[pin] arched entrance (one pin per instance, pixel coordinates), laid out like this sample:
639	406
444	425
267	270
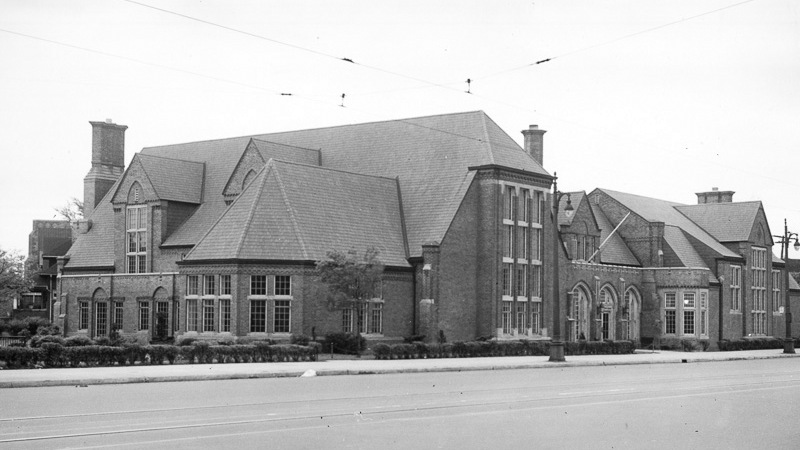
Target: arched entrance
634	305
607	312
578	313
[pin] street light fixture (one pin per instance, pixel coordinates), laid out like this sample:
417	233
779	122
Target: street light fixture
557	343
788	342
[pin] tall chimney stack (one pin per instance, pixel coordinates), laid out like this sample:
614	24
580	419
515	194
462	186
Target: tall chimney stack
534	138
108	162
714	196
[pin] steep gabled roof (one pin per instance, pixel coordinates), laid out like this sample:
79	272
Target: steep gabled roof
297	212
174	179
614	251
95	248
655	210
430	155
727	222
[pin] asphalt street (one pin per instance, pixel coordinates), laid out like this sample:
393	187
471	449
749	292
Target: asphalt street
727	404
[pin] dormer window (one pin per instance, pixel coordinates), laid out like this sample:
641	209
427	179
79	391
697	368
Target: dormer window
136	238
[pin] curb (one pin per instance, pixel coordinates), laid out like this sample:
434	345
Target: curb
372	371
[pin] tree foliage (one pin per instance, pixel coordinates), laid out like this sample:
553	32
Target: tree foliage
12	274
72	211
351	278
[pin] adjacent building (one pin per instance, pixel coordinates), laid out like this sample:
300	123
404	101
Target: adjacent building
222	237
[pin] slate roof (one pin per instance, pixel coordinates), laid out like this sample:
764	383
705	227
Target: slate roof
96	248
277	218
655	210
615	251
174	179
430	156
727	222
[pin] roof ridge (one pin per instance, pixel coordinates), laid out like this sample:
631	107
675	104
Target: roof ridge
485	141
290	210
331	169
284	145
147	155
265	170
253	136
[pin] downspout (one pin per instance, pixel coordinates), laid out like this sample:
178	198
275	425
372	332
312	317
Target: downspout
721	306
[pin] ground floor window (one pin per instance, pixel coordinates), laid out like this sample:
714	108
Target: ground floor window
224	315
347	320
687	317
506	317
536	320
191	315
376	322
208	314
83	315
116	320
282	316
144	315
258	316
522	317
101	318
366	318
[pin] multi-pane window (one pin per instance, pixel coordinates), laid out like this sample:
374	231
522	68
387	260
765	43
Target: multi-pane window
536	308
192	285
524	248
536	280
136	237
347	320
777	299
670	304
522	317
507	268
144	315
703	314
209	285
759	290
524	214
224	315
506	319
224	285
376	322
208	314
536	244
258	285
363	314
258	316
116	320
101	318
689	303
522	280
736	288
191	315
83	316
283	285
510	203
537	209
508	241
282	316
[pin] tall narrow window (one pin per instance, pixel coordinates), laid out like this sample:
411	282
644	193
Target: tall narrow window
536	244
536	308
376	322
510	203
506	317
508	241
209	285
191	315
522	317
347	320
522	280
507	287
777	298
283	285
224	315
759	290
524	248
83	316
144	315
282	316
670	304
208	314
101	318
689	304
258	316
193	285
224	285
525	200
536	281
116	321
704	314
136	237
736	288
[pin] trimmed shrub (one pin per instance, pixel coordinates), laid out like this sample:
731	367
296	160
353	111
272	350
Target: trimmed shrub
38	340
299	339
78	340
345	343
381	351
20	357
414	338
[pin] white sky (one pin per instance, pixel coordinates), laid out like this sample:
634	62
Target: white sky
639	96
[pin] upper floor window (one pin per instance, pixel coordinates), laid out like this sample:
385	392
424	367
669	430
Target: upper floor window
209	285
193	285
525	200
136	238
283	285
777	298
224	285
736	288
510	202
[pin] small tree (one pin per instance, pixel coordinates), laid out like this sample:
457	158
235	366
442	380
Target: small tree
351	279
13	281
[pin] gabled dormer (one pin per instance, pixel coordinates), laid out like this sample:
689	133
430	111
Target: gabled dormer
250	163
153	197
580	231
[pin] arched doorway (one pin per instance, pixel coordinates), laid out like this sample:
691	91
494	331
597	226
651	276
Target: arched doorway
607	311
634	305
578	313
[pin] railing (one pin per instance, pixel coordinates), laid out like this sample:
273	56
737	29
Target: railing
6	341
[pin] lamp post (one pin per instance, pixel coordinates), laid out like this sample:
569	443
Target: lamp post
788	342
557	343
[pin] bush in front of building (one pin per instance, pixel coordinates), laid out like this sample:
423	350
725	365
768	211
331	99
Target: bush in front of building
684	344
344	343
477	349
726	345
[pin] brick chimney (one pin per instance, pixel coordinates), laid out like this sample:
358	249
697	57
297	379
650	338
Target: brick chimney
534	138
108	162
714	196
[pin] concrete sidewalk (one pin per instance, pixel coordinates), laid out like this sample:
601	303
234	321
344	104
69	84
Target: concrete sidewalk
198	372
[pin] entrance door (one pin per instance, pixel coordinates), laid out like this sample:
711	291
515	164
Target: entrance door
162	320
605	324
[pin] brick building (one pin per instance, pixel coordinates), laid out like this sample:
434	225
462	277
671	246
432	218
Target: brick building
222	237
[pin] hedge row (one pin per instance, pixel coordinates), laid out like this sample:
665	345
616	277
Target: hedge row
51	354
753	344
684	344
475	349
